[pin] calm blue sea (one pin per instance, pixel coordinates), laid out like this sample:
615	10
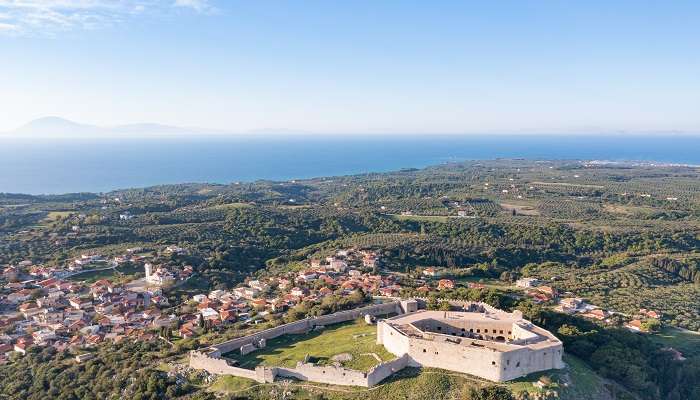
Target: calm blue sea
60	166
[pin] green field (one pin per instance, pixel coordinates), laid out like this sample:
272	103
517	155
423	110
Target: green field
687	342
55	215
111	273
354	337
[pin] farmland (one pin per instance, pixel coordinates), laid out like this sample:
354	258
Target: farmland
621	237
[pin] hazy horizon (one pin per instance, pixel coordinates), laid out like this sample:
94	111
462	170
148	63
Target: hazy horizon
361	67
61	128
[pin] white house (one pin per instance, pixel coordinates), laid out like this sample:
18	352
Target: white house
526	282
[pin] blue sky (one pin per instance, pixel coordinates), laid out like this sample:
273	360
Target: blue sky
355	66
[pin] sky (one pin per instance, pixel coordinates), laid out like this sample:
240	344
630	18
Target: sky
354	66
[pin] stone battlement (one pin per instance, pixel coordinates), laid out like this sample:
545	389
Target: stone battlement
210	359
481	341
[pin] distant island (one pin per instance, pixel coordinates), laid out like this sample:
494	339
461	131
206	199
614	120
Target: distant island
61	127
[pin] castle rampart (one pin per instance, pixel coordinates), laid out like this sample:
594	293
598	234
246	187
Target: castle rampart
496	346
481	341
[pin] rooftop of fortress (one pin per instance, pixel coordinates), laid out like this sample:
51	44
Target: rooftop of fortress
489	329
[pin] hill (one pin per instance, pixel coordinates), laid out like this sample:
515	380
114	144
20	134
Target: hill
50	127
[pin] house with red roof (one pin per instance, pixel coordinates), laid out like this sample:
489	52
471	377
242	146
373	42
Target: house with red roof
445	284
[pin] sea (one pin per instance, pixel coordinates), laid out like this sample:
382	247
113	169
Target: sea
54	166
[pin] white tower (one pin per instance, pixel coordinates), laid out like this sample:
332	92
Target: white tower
149	270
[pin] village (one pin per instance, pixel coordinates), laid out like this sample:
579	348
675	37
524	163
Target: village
42	307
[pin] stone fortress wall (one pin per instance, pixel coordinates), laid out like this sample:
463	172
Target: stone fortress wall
302	326
211	360
482	341
497	346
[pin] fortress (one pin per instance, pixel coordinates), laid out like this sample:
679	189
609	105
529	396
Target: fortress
478	340
482	341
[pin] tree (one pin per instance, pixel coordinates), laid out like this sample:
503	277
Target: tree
432	303
444	306
568	330
491	393
651	325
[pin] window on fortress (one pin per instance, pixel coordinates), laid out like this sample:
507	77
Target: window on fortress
462	329
493	363
439	328
478	331
507	362
518	364
436	353
501	331
424	350
471	330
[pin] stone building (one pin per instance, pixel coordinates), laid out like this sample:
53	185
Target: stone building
490	343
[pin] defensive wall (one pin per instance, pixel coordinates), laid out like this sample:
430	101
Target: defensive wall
210	359
303	326
498	347
303	371
481	341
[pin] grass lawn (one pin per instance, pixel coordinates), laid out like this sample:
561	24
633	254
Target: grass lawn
353	337
54	215
231	384
118	272
51	217
687	342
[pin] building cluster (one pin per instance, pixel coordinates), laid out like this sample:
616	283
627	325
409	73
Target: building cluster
637	324
64	314
575	305
41	307
536	291
163	275
339	275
